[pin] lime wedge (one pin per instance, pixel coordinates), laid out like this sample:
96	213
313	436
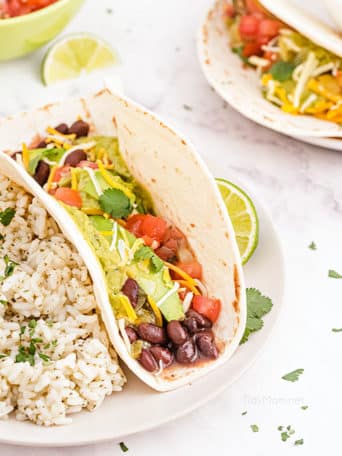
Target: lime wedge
74	54
243	216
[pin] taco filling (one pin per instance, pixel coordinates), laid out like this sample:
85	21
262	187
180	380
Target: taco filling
295	74
153	279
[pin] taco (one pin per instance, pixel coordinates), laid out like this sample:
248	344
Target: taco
296	72
296	85
147	219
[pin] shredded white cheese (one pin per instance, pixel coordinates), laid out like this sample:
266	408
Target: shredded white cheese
187	301
308	101
168	294
258	61
114	237
323	69
91	174
308	67
291	45
161	367
121	324
202	287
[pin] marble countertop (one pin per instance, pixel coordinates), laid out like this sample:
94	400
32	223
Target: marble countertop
300	184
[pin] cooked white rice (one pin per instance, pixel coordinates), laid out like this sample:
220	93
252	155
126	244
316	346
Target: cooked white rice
50	289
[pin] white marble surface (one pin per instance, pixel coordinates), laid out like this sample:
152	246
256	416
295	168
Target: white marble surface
300	184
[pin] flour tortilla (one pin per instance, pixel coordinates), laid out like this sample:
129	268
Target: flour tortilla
183	192
240	87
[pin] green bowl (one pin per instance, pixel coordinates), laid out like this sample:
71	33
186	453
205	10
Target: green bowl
23	34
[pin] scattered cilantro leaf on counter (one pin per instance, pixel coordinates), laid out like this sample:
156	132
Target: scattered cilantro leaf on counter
282	71
115	202
284	436
145	253
109	11
336	330
304	407
255	427
244	413
280	428
123	447
258	305
334	275
6	216
293	376
187	107
312	246
299	442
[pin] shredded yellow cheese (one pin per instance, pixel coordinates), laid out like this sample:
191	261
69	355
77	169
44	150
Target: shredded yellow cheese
266	78
318	88
112	182
26	157
181	273
92	211
130	312
156	311
73	179
51	177
185	283
106	233
54	132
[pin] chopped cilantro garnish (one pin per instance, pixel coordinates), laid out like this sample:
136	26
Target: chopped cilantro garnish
2	237
312	246
3	302
25	354
257	306
334	275
282	71
280	428
299	442
22	330
293	376
37	340
336	330
9	267
244	413
54	343
123	447
6	216
32	324
304	407
44	357
255	428
2	355
116	203
145	253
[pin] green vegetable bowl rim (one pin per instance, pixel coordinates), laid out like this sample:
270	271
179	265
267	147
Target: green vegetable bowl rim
35	14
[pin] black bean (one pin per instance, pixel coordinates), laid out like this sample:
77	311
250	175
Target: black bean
62	128
207	345
162	354
147	360
131	290
152	333
42	173
131	334
42	144
79	128
186	353
176	332
75	157
202	321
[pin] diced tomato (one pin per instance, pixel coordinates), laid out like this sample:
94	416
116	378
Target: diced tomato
69	196
209	307
248	27
87	164
268	29
193	269
147	225
182	294
60	173
251	48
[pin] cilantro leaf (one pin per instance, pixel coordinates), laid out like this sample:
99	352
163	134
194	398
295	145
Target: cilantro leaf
123	447
299	442
3	302
44	357
115	202
6	216
145	253
312	246
2	356
258	305
282	71
304	407
255	427
244	413
336	330
334	275
239	51
9	268
284	436
293	376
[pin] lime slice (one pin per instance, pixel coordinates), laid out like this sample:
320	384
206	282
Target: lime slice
74	54
243	216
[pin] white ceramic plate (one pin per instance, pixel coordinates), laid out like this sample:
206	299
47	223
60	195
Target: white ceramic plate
129	412
240	87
